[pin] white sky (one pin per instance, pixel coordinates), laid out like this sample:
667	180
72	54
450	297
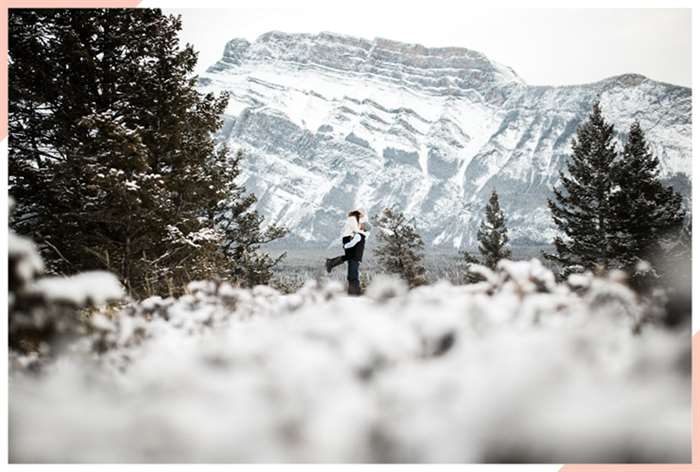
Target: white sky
544	46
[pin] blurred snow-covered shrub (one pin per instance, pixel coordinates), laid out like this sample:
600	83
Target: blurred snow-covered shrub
44	310
386	287
516	368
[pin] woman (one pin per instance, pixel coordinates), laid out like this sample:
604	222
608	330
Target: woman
353	239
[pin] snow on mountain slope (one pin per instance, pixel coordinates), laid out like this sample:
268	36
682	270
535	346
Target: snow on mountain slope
331	122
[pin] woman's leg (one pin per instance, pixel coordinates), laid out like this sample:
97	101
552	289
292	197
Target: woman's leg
335	261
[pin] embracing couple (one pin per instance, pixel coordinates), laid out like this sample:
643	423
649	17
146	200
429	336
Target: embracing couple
355	233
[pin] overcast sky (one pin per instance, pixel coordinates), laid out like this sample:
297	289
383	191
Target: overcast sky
544	46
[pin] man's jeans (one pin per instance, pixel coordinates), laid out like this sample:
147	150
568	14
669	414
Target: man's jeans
353	270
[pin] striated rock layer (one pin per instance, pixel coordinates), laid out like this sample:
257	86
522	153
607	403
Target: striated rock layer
331	122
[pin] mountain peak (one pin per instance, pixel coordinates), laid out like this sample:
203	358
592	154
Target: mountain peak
436	68
333	122
626	80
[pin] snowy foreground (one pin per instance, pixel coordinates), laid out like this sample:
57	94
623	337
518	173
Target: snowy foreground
516	369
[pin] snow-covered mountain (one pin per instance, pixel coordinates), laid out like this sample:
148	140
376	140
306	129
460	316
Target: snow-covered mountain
332	122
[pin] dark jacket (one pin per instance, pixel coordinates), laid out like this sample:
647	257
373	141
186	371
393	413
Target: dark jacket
354	253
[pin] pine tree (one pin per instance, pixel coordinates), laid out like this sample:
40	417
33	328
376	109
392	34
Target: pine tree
493	234
469	276
581	209
400	247
112	161
646	211
243	234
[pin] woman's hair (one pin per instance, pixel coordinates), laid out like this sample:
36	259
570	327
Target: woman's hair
356	214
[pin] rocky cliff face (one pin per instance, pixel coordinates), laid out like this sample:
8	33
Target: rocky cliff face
332	122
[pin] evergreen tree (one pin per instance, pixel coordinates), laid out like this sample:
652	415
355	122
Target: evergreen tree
581	209
400	247
646	211
243	234
493	234
112	160
469	276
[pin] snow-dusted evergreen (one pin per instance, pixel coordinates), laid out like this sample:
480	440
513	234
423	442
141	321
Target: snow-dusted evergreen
470	262
582	207
612	210
399	247
429	131
243	232
647	213
112	161
493	234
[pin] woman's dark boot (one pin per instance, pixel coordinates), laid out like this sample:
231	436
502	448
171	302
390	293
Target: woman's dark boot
330	263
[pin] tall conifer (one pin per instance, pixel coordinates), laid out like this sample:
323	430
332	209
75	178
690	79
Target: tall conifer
400	247
646	211
112	158
581	207
493	234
